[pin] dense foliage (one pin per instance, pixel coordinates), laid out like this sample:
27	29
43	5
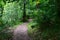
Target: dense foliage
11	13
48	21
45	15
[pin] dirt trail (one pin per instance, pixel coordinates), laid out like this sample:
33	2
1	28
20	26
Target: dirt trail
20	33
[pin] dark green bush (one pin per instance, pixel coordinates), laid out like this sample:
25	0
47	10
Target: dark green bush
48	21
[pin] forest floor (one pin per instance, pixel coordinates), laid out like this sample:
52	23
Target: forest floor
21	32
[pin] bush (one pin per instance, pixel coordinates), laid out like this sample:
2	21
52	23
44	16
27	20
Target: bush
11	13
47	20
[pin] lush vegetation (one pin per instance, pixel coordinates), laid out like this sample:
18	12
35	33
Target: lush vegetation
45	15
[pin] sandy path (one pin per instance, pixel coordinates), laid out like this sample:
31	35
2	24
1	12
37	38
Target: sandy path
20	33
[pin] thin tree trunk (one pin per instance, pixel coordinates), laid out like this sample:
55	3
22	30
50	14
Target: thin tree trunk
24	11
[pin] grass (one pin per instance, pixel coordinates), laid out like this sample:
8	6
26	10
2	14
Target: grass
30	29
15	26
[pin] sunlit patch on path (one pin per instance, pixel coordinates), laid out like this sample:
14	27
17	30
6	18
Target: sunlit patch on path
20	33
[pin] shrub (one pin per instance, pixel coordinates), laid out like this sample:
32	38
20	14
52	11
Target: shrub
48	21
11	13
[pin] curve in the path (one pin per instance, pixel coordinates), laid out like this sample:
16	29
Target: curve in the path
20	33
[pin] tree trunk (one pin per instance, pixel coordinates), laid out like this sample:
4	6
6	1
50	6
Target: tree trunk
24	11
